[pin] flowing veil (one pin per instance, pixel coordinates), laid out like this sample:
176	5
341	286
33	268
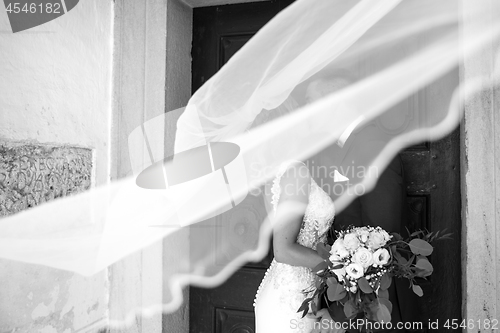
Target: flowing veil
401	57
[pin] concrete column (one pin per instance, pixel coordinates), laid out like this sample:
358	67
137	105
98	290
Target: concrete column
480	149
178	92
139	95
152	75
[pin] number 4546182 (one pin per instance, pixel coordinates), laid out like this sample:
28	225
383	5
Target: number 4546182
33	8
453	324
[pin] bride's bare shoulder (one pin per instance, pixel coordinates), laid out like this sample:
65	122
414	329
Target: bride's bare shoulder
295	181
294	169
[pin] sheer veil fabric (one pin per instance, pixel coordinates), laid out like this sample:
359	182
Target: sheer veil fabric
399	59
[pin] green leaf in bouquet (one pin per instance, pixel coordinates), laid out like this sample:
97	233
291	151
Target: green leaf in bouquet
437	236
350	310
332	281
370	309
323	250
335	291
417	233
419	246
314	305
383	294
376	285
383	314
446	236
432	236
424	267
304	307
358	298
364	285
336	311
399	258
396	236
417	290
407	231
386	302
319	267
337	266
385	281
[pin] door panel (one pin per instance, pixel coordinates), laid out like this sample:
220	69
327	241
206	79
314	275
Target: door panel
218	33
432	176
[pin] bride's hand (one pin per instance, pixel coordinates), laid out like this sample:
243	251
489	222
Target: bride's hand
327	324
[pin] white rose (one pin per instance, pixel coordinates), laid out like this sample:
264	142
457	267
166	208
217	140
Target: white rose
354	270
339	249
334	258
363	234
386	235
363	257
351	242
376	240
381	257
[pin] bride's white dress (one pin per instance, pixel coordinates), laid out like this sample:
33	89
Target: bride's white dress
280	293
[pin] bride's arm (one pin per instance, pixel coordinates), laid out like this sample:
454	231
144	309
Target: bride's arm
295	186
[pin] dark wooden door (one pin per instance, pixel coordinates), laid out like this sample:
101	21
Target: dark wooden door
218	33
433	186
432	171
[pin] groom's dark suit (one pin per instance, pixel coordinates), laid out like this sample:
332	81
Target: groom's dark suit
384	206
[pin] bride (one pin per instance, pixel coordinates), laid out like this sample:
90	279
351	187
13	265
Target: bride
303	214
296	232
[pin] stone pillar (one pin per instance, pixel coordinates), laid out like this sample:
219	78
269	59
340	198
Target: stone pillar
152	75
480	150
138	95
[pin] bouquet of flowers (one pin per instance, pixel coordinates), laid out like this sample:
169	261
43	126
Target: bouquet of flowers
359	267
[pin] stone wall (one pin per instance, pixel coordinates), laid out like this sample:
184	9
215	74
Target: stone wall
33	174
55	120
480	150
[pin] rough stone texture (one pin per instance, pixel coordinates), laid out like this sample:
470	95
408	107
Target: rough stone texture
32	174
481	175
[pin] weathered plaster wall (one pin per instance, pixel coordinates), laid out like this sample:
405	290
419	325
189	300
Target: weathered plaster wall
56	78
481	176
55	89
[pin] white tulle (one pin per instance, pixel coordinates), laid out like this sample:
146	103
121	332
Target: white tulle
403	56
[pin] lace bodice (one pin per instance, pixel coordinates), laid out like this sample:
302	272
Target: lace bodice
318	216
289	280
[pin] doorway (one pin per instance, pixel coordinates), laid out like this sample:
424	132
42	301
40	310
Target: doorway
432	172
